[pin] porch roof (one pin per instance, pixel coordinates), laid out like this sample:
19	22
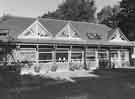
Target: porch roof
83	42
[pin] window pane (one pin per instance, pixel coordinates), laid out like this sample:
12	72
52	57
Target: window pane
114	54
102	55
27	46
61	57
45	61
45	56
45	46
76	56
45	50
27	56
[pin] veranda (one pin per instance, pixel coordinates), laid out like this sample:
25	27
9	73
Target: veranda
74	57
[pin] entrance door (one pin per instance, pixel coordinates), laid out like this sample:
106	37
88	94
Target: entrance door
91	59
103	57
115	59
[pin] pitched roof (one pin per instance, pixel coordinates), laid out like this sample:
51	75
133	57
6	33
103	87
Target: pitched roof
16	25
114	31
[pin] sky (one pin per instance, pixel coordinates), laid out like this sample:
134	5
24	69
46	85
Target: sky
35	8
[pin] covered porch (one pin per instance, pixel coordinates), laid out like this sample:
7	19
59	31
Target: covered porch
65	57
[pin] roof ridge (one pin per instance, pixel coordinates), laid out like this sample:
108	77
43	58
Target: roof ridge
74	21
22	17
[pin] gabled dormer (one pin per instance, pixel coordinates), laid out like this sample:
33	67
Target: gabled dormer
35	31
68	32
118	36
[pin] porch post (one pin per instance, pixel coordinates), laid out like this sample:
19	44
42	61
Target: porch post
69	56
82	56
85	65
17	55
130	56
37	55
109	53
97	59
119	58
54	54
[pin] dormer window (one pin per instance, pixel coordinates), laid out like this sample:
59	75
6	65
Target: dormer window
93	36
36	31
68	32
4	32
118	36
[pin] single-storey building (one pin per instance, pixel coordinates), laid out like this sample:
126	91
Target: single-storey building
63	45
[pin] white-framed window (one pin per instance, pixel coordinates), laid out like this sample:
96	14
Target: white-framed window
124	54
103	54
77	55
35	31
27	52
62	54
45	55
91	54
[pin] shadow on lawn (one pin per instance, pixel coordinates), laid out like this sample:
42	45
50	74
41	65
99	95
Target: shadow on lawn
111	84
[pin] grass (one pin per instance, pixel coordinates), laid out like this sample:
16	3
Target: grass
100	84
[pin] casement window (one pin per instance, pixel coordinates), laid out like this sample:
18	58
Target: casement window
114	54
91	54
62	54
45	55
27	46
27	53
124	54
76	55
103	54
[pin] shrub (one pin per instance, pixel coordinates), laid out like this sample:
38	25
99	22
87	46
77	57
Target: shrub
54	68
75	66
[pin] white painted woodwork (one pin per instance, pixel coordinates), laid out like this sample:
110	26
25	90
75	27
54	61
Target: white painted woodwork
118	36
68	33
35	31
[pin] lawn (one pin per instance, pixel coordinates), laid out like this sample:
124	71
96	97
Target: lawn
98	84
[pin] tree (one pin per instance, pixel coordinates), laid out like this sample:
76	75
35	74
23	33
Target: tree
77	10
108	16
124	18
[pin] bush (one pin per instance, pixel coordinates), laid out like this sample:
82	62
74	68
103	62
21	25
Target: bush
75	66
37	69
54	68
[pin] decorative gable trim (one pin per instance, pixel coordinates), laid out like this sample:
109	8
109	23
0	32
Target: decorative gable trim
35	31
118	36
68	32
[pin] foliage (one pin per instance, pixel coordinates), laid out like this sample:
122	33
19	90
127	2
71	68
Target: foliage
77	10
125	18
75	66
108	16
54	68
